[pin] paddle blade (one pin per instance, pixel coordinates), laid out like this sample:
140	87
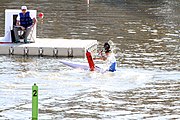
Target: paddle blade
90	61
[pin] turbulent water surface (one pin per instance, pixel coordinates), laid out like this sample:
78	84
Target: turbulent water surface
144	34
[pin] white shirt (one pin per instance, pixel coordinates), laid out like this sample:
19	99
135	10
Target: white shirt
110	60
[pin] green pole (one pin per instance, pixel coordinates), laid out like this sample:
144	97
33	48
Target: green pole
34	102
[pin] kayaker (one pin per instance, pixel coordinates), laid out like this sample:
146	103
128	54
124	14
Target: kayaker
109	57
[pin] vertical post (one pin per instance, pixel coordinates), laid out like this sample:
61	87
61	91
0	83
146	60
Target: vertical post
34	102
88	2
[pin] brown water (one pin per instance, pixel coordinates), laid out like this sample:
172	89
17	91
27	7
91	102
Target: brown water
146	37
145	32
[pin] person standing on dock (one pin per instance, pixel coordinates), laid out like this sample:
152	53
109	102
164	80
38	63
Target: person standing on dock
109	58
24	22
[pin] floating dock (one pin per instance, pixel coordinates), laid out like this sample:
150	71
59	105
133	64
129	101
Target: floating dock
41	46
50	47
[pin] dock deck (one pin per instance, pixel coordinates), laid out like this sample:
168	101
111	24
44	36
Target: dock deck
50	47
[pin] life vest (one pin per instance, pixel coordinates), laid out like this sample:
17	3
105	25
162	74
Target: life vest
25	19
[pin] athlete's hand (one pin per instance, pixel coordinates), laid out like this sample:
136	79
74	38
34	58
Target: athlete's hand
23	28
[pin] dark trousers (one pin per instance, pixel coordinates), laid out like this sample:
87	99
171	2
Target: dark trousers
25	34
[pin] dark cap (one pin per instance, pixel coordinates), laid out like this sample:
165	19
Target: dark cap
106	46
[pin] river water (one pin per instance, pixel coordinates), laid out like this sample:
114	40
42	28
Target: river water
144	34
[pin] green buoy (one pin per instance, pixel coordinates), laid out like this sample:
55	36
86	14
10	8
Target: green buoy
34	102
